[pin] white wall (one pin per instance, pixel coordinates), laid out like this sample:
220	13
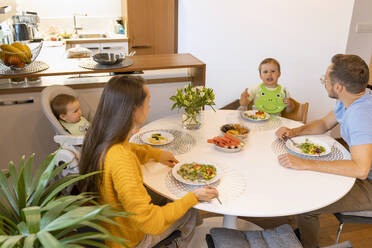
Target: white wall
361	43
233	37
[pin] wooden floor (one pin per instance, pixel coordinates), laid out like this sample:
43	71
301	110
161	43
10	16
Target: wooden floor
359	234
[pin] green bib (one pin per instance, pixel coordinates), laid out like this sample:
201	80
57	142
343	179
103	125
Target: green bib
270	101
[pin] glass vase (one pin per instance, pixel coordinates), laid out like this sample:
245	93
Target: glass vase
191	119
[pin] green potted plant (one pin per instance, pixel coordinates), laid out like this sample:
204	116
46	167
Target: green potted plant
34	214
192	100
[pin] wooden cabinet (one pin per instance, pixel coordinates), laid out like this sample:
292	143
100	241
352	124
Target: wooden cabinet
151	25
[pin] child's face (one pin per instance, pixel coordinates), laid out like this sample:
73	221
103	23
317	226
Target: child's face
73	112
270	75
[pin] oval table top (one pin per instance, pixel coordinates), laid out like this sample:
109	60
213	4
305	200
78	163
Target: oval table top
253	184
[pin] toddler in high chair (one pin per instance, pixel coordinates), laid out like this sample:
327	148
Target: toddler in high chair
67	110
268	96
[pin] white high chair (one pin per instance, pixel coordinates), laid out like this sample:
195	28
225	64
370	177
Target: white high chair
70	145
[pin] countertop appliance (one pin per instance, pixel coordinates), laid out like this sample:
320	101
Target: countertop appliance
26	26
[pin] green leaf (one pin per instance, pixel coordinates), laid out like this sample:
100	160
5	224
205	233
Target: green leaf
13	175
3	238
74	217
10	224
21	189
28	173
59	169
29	241
64	185
41	168
11	241
48	240
8	197
32	217
56	211
42	182
23	229
83	236
56	184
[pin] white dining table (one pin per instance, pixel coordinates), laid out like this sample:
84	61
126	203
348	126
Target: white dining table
252	184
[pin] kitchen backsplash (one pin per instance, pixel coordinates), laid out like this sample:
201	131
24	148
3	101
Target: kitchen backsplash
89	24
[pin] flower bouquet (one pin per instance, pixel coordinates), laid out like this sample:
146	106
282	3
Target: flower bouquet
192	100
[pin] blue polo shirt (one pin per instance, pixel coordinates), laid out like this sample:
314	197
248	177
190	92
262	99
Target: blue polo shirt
356	121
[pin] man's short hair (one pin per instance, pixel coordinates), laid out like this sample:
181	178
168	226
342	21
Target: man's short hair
269	61
351	71
59	104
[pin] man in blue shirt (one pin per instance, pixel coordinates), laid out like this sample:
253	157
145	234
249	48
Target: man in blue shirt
346	79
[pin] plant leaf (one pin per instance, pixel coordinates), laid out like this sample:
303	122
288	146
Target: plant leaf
42	182
95	244
21	189
74	217
64	185
48	240
82	236
11	241
13	175
23	229
8	197
29	241
41	168
28	173
56	184
32	217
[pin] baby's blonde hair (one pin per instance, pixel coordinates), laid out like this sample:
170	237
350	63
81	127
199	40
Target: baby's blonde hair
269	61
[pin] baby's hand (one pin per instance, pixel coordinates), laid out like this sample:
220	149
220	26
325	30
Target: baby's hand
288	102
244	98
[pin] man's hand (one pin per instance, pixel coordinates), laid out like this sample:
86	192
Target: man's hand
244	98
167	159
284	132
290	161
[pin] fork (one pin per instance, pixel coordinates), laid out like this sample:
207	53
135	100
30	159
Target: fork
218	199
292	141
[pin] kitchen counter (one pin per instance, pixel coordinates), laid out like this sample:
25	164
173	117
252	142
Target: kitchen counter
61	66
121	38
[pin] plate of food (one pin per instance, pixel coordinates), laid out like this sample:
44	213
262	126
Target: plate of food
196	172
255	115
157	138
226	143
308	146
236	130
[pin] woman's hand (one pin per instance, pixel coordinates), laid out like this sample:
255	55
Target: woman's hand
168	159
206	193
284	132
244	98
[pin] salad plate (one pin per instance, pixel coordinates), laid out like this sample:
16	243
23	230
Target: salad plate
157	138
196	172
308	146
255	115
237	130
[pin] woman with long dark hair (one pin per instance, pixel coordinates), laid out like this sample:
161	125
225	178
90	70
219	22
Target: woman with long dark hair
124	104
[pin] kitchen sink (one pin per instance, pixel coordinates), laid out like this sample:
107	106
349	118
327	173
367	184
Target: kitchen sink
87	36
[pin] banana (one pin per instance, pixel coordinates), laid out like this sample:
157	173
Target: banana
23	48
12	49
28	50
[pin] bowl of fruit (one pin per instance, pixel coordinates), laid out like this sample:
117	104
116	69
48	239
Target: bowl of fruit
17	56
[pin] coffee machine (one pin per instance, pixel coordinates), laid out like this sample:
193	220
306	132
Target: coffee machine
25	26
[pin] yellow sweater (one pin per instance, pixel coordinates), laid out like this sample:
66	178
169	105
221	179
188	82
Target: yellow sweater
123	183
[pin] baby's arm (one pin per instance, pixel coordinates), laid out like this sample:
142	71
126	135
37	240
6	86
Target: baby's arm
288	102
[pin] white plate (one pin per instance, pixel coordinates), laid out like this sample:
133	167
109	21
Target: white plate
229	150
253	112
146	137
312	139
180	178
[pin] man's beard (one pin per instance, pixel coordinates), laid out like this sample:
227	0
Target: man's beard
332	94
